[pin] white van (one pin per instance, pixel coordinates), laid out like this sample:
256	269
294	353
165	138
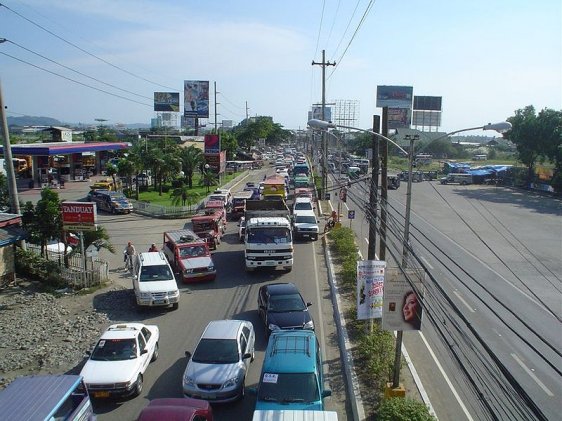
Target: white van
154	282
294	415
457	178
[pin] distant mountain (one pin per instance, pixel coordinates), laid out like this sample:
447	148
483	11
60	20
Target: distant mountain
33	121
48	121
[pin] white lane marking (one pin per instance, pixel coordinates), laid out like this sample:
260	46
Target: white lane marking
453	390
463	301
532	375
417	380
427	263
367	240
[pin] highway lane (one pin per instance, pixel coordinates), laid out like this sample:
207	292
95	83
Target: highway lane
232	295
496	216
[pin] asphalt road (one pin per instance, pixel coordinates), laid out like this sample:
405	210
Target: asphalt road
495	256
232	295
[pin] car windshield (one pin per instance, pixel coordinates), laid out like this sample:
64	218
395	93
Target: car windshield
115	350
286	303
305	220
267	235
303	206
194	251
216	351
202	226
155	273
289	387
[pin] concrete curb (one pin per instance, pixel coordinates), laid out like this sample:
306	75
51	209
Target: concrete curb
351	380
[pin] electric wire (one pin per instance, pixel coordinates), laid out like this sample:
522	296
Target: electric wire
320	28
78	72
85	51
76	81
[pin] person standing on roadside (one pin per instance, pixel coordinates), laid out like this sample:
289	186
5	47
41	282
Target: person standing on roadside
129	252
153	248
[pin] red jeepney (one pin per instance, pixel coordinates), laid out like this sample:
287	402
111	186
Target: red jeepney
214	206
239	202
209	227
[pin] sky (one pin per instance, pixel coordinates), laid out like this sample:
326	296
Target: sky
486	59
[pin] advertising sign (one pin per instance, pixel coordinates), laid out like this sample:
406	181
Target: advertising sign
79	216
427	118
402	302
370	283
427	103
399	118
212	144
394	96
167	101
217	162
196	98
317	113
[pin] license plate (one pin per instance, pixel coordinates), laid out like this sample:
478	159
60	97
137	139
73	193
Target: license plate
271	264
160	301
101	394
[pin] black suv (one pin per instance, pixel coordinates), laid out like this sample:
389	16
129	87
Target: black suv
281	306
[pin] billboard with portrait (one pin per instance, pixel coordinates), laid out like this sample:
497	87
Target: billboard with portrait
212	144
167	101
196	98
370	282
402	300
317	113
394	96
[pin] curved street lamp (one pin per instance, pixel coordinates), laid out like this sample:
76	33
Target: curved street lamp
325	125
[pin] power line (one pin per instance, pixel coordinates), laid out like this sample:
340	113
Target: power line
76	81
85	51
78	72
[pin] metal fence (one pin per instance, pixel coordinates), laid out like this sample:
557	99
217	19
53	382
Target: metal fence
165	212
96	272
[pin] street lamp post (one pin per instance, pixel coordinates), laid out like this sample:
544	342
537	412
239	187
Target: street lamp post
324	125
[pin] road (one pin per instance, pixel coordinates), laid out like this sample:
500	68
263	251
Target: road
232	295
494	296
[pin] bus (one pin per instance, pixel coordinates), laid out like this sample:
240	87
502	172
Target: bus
54	397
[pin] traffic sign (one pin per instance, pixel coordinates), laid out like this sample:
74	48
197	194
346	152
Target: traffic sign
350	214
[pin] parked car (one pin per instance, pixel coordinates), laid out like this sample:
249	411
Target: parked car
184	409
117	364
217	369
281	306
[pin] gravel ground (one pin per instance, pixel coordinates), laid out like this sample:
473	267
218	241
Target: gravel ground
44	334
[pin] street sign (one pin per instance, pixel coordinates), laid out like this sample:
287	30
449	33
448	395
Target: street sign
350	214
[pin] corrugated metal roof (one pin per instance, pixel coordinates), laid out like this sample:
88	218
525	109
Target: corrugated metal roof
11	235
33	398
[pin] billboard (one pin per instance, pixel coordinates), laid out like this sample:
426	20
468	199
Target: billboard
427	103
370	282
167	101
402	308
216	161
394	96
399	118
196	98
317	113
427	118
79	216
212	144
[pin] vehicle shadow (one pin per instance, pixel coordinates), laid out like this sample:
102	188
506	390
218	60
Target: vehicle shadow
120	306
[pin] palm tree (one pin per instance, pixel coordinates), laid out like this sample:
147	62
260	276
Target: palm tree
182	194
126	168
208	178
191	158
111	171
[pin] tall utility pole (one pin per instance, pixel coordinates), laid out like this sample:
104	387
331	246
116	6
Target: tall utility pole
11	175
324	63
216	103
374	190
384	183
247	110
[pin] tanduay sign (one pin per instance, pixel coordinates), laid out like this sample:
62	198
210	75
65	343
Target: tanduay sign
79	216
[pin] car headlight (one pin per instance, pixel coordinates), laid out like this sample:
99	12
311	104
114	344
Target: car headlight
174	293
273	327
125	385
230	382
309	325
145	295
211	268
188	381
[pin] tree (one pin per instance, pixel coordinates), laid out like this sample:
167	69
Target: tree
48	212
208	178
530	138
182	194
4	193
126	168
229	143
191	159
111	171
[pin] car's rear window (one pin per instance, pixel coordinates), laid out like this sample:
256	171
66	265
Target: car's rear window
288	388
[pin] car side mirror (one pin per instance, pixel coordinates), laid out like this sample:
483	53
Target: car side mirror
326	393
144	351
88	352
188	354
308	304
246	356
